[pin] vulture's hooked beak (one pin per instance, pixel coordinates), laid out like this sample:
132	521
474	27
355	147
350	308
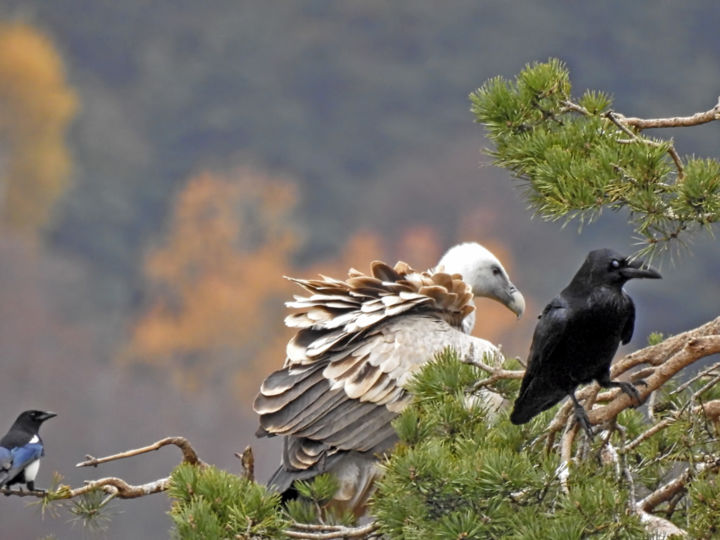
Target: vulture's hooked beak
511	298
517	302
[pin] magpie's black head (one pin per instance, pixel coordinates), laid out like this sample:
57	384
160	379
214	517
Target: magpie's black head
608	267
31	420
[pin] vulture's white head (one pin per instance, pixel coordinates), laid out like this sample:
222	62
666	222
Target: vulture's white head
483	272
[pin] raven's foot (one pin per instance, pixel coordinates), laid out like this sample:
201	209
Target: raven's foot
627	388
584	422
581	417
631	391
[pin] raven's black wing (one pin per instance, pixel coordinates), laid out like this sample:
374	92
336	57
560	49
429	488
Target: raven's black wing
535	395
627	331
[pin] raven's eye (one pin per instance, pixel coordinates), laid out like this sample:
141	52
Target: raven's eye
615	263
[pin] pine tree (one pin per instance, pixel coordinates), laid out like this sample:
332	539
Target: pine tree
577	157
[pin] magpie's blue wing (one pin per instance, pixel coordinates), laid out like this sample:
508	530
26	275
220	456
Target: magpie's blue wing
18	459
6	460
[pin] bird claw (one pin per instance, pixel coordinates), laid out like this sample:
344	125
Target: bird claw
631	391
583	421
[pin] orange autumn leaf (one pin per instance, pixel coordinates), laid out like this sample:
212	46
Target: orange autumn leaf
36	107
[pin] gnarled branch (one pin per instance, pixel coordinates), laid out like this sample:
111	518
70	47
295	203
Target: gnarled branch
675	121
329	532
189	454
113	486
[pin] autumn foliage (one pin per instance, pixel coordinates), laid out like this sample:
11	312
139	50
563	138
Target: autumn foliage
217	286
215	309
36	107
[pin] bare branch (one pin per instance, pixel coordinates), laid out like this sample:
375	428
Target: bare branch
189	454
120	488
697	377
676	121
662	424
116	487
495	375
674	486
24	492
575	107
247	461
660	528
711	410
656	355
693	350
329	532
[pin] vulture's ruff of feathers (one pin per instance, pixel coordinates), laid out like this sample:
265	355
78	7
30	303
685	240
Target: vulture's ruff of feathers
358	342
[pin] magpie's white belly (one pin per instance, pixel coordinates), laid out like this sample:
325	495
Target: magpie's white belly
31	471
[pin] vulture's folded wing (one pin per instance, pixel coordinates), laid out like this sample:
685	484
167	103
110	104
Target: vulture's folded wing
348	400
357	345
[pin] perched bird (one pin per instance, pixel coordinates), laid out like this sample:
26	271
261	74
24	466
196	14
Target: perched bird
577	336
358	343
21	449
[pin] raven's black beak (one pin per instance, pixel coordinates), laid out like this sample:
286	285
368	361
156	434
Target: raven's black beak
47	416
638	269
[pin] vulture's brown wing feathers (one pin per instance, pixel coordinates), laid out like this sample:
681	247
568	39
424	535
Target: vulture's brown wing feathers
358	342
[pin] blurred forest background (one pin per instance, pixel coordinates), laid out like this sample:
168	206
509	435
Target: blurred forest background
164	164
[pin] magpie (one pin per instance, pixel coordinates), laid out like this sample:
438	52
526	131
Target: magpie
577	336
21	449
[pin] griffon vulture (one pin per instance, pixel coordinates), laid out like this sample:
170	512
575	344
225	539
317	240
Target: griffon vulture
358	343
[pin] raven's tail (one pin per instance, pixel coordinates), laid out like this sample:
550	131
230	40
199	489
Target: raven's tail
534	400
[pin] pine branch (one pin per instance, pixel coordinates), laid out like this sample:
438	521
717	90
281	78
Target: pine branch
247	461
660	528
711	410
621	122
578	156
656	355
496	374
113	486
329	532
679	483
189	454
676	121
694	349
116	487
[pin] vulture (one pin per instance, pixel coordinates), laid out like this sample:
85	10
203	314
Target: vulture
358	343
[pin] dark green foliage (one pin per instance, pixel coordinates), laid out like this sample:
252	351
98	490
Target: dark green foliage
576	159
704	513
312	504
210	503
454	475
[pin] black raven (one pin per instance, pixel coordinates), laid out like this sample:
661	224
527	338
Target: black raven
578	334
